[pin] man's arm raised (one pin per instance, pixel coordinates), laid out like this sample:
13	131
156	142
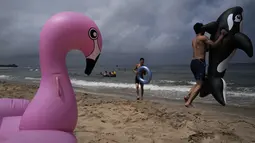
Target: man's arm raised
210	42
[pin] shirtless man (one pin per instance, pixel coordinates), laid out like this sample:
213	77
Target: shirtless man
198	65
137	82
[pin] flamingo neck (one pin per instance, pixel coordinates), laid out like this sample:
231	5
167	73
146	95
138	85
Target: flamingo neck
52	62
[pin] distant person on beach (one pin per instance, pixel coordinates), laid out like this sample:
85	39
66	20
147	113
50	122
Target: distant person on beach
137	82
198	64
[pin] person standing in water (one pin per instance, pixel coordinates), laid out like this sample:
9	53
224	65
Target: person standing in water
137	82
198	64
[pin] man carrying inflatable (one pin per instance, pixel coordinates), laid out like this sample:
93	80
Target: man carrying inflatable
137	82
198	64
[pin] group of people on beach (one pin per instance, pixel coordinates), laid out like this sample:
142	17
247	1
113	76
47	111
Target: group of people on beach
200	45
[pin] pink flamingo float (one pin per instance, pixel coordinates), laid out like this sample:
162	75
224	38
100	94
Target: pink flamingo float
51	116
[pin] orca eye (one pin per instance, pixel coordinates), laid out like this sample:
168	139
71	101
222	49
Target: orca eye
238	18
93	34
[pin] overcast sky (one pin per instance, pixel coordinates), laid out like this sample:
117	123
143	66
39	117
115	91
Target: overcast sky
158	30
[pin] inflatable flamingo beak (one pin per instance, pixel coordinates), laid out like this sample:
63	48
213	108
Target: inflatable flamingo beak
90	65
94	55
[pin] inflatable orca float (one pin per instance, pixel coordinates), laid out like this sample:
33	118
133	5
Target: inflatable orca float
230	20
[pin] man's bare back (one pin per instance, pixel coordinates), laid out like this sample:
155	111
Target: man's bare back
198	48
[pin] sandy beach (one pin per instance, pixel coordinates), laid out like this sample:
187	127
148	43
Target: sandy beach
114	119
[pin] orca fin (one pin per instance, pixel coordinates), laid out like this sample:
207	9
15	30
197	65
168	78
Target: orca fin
244	43
218	89
211	27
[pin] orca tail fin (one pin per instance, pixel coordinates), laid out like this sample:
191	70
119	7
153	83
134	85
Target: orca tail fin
218	88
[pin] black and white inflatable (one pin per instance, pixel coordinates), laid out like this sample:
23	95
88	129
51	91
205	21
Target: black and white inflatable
230	20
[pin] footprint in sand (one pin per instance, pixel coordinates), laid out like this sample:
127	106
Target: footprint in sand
220	137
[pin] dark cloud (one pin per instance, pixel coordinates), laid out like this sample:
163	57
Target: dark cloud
159	30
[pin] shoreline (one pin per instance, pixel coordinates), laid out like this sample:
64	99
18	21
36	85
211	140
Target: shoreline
118	118
129	96
241	96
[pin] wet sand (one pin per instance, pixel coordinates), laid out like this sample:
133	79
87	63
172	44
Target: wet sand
111	118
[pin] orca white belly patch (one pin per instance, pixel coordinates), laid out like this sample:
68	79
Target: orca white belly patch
224	64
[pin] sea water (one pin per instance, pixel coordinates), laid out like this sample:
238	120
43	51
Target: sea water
169	81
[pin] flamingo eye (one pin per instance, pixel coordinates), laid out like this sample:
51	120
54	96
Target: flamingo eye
93	34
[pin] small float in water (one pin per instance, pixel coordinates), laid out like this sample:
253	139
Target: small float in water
108	74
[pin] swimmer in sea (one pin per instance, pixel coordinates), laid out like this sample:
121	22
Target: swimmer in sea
198	64
137	82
